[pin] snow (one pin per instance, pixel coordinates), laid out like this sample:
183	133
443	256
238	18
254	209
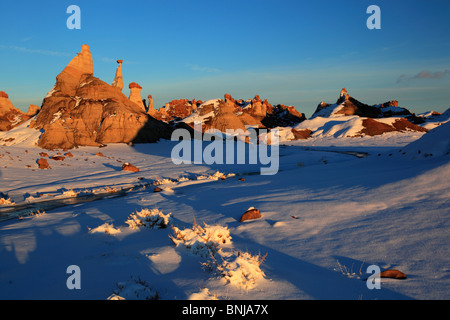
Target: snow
435	143
325	217
196	117
21	135
338	127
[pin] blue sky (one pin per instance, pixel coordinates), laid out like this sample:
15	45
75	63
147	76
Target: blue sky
290	52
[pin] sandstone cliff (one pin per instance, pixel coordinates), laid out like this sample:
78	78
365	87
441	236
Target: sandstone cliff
82	110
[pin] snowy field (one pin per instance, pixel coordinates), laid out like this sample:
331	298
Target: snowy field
325	217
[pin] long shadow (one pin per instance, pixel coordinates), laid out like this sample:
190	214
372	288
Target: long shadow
316	282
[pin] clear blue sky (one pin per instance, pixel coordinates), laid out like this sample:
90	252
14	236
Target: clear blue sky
291	52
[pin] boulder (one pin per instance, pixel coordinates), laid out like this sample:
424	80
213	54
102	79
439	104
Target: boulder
43	164
301	134
393	274
250	214
129	167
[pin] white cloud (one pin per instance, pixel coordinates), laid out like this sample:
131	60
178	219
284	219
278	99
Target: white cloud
38	51
196	67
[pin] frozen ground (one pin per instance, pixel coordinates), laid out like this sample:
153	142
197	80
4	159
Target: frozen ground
326	216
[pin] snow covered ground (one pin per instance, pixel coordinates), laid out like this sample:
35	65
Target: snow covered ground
325	217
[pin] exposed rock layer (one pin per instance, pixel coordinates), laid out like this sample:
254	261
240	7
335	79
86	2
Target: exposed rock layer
82	110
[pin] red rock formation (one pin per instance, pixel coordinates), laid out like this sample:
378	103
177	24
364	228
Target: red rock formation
33	110
82	110
225	118
373	127
10	116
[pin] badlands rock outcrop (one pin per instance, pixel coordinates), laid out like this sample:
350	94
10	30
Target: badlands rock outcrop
82	110
230	113
351	118
348	106
10	116
225	118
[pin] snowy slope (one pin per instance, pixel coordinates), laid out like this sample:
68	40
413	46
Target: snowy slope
325	217
433	144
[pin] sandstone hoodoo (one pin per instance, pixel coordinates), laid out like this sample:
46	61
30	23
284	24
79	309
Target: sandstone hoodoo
118	79
82	110
135	95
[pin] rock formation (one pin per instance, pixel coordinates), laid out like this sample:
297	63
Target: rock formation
33	110
225	118
348	106
231	113
82	110
135	95
371	127
10	116
150	109
118	79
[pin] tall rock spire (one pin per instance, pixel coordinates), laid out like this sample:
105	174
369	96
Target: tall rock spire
118	79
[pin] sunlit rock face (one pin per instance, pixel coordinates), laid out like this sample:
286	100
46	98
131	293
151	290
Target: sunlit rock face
82	110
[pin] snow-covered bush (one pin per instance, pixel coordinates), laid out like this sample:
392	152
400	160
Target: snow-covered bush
134	289
204	294
70	193
105	228
203	241
240	269
6	201
216	176
153	218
